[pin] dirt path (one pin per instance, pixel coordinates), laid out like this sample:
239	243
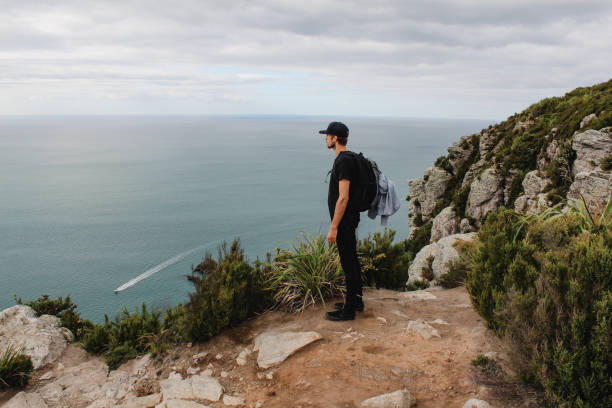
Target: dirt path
372	355
355	360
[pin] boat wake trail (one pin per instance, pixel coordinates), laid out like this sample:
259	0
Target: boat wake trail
160	267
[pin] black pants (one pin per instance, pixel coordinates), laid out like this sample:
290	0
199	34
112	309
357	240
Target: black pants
347	248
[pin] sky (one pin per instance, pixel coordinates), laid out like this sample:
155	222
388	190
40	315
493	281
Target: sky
435	58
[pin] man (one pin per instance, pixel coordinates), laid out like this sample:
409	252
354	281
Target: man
344	219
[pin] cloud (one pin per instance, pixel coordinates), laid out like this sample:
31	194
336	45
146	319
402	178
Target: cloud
237	54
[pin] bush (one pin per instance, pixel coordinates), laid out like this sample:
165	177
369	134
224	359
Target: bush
307	272
545	282
501	261
227	291
127	336
606	162
383	263
15	368
417	285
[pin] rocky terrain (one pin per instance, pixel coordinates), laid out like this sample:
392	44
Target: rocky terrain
406	348
549	153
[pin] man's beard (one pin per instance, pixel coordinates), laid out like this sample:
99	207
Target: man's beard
333	145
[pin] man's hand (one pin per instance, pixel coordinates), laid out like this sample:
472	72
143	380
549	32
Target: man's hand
332	234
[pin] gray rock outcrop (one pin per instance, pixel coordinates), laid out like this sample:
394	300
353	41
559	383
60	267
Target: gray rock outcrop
444	224
591	147
486	194
425	192
437	256
422	328
41	338
26	400
534	200
275	347
397	399
476	403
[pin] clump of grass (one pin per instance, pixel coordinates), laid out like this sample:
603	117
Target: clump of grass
417	285
15	368
307	272
606	163
482	361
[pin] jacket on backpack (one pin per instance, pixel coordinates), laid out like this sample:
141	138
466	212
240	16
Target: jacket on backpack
388	201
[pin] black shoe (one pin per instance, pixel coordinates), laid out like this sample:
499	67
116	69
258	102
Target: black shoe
340	315
358	307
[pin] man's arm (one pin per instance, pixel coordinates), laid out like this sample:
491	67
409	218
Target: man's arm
343	197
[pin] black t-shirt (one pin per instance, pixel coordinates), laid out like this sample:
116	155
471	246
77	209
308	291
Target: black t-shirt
344	167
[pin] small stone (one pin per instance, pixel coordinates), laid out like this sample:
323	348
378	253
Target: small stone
224	374
219	356
210	366
259	404
207	372
439	321
143	402
200	356
270	376
275	347
476	403
193	370
382	320
60	366
397	399
47	376
347	336
490	354
207	388
422	328
233	400
242	357
175	376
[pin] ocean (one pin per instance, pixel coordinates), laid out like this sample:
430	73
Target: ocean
89	203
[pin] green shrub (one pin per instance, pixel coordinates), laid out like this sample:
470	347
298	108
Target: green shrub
502	261
420	238
383	263
417	285
15	368
227	291
123	338
307	272
545	282
444	163
482	361
562	327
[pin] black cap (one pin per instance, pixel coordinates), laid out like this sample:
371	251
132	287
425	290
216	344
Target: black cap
337	129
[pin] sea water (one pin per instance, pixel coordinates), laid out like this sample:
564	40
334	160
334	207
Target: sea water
89	203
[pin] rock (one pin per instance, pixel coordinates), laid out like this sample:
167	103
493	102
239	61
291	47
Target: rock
595	187
208	372
422	260
224	374
523	125
207	388
259	404
275	347
587	119
175	376
67	334
460	152
465	226
447	252
41	338
425	193
219	356
85	383
485	195
418	295
176	389
532	205
438	256
397	399
47	376
476	403
439	321
232	400
422	328
198	357
533	184
382	320
242	357
591	147
147	401
193	370
444	224
26	400
184	404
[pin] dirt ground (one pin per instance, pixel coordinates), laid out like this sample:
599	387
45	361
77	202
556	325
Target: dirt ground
372	355
355	360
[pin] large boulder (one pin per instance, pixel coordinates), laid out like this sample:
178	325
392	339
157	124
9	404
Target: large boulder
486	194
594	186
425	193
41	338
459	153
444	224
591	147
437	256
534	200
